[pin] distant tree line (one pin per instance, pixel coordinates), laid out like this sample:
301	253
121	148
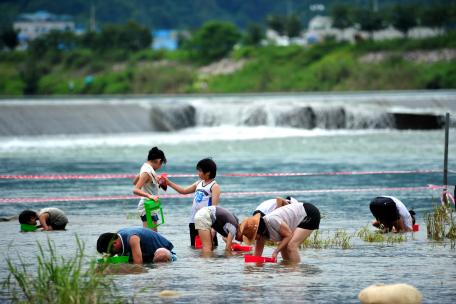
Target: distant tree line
215	39
401	17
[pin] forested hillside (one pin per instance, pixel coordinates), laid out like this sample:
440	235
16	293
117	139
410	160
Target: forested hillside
181	13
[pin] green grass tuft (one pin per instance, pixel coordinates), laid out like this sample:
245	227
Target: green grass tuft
58	279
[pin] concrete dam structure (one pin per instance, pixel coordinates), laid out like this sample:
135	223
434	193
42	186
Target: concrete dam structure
105	115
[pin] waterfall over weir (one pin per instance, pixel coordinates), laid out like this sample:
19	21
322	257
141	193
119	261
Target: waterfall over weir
399	110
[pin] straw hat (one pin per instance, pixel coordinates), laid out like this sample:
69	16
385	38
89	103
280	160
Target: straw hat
249	228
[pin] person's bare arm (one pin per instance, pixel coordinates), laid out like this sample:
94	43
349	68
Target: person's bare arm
43	218
135	245
229	241
286	234
399	226
259	246
180	189
136	179
215	194
143	179
280	202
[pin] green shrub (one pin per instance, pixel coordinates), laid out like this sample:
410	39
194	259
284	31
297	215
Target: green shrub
168	78
78	58
13	57
148	54
10	80
441	75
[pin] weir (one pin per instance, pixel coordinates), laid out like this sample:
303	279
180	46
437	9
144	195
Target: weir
24	117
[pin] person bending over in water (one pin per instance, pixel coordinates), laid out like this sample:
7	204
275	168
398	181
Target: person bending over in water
270	205
49	218
142	245
391	214
211	218
289	225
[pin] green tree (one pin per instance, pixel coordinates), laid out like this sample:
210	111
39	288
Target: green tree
435	16
9	38
293	26
254	35
342	16
136	37
213	41
129	37
54	41
277	23
369	20
30	74
403	18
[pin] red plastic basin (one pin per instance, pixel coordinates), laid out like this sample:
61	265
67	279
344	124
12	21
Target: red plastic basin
198	244
239	247
258	259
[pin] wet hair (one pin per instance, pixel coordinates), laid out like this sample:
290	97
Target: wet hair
104	241
26	216
156	153
258	211
207	165
262	229
412	214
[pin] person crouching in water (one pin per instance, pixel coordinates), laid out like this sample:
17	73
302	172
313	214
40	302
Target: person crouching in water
222	221
142	245
50	218
289	225
391	215
270	205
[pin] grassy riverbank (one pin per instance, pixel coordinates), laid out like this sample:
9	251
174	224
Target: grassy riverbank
387	65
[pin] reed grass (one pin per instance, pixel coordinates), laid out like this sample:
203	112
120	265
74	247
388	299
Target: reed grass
379	237
441	225
57	279
344	240
340	239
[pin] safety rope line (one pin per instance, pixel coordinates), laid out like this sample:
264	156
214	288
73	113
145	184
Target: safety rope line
280	174
225	194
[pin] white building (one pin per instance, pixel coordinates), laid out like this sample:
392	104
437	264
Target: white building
320	23
31	26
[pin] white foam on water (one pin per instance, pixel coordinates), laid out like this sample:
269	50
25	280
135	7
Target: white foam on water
191	135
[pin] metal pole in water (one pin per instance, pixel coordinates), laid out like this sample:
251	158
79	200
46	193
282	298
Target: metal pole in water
445	161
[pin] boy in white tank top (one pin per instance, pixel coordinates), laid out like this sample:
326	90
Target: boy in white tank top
207	193
146	183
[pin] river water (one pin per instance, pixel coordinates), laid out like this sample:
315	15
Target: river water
331	275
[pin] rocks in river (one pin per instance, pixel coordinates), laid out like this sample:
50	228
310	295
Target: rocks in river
169	294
